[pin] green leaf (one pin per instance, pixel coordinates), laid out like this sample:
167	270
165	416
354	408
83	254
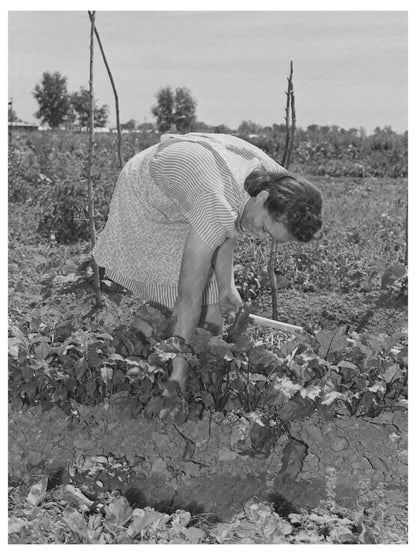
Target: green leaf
142	518
347	364
218	347
296	409
194	535
91	387
263	360
292	460
75	521
261	438
311	392
80	367
42	350
93	358
38	491
365	403
284	389
18	342
331	341
118	513
27	374
153	407
330	397
392	373
17	524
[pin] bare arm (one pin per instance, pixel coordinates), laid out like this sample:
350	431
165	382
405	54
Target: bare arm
223	264
229	298
196	264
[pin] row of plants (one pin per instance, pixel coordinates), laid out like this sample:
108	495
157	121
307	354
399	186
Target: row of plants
53	367
41	519
320	152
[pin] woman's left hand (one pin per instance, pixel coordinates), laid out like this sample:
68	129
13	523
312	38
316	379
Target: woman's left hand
230	303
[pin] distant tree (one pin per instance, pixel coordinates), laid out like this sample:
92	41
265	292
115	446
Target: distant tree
131	125
71	117
201	127
176	108
383	138
163	110
249	128
80	103
53	99
146	127
101	116
312	128
185	108
222	129
279	129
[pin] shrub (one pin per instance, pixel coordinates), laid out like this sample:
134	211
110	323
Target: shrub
62	211
22	175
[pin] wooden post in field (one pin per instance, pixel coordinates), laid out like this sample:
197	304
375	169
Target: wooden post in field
293	118
290	115
91	214
10	122
120	153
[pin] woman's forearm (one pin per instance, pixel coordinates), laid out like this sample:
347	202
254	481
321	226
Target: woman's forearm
223	264
187	312
196	264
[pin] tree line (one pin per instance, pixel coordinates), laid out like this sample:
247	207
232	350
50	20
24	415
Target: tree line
175	110
58	107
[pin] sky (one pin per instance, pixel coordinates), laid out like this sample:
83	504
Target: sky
350	67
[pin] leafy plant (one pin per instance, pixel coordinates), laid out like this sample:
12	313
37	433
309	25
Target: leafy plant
62	211
300	376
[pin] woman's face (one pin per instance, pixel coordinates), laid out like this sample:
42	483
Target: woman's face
262	225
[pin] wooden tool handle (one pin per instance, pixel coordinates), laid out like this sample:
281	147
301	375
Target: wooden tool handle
275	324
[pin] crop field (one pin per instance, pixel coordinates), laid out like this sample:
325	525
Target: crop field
279	438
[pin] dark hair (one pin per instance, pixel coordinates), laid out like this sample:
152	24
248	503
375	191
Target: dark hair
292	201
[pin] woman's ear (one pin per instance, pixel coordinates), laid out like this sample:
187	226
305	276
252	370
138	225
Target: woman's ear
262	196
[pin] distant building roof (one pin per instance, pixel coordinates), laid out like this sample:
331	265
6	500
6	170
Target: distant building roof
22	124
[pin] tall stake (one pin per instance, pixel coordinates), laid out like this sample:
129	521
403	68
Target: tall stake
270	269
290	115
120	154
91	214
11	119
293	116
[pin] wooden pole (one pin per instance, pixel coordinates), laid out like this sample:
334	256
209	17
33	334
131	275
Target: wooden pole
290	115
91	214
407	231
272	277
11	119
293	116
119	148
287	135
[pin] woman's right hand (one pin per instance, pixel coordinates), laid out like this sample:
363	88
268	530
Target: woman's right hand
230	303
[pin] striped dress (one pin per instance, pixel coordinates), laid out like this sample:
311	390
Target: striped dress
192	180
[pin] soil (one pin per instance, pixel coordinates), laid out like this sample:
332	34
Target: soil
361	456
